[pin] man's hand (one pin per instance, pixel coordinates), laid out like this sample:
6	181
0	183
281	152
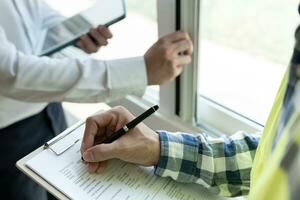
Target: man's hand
95	39
165	59
140	145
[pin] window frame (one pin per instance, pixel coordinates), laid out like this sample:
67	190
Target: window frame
214	118
166	117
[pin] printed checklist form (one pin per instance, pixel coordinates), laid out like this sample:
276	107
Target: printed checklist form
64	170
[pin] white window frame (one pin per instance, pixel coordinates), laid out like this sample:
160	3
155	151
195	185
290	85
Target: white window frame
214	118
165	117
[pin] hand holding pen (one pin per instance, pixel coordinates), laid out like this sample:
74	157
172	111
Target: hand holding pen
117	134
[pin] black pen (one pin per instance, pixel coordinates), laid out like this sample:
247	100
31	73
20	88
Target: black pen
122	131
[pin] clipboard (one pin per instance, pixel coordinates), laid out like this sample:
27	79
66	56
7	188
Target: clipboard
21	164
55	191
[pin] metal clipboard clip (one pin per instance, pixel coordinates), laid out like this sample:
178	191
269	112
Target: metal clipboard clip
66	139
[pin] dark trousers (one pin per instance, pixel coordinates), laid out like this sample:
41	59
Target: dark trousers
20	139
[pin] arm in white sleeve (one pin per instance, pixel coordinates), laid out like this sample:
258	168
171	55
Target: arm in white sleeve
42	79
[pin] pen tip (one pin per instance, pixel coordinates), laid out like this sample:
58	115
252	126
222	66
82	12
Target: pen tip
156	107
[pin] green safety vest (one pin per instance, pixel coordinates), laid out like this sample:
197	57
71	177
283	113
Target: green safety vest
276	175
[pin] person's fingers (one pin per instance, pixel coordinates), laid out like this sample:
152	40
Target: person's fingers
183	46
179	62
98	37
122	116
178	70
183	60
97	167
90	132
88	45
102	167
93	167
101	152
79	44
96	126
105	32
175	36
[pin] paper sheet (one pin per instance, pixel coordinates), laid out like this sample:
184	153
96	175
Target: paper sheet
119	181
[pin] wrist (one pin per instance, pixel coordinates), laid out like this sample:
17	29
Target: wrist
149	72
156	149
153	146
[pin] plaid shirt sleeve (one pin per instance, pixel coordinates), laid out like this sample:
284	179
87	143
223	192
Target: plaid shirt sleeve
221	165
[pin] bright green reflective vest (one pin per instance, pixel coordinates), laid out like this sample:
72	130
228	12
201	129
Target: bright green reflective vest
276	175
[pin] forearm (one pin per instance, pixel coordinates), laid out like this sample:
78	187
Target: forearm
222	165
43	79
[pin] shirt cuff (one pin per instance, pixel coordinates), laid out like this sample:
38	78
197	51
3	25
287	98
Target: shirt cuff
128	76
178	158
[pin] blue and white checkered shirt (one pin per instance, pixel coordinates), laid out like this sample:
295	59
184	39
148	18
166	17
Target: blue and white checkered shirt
222	165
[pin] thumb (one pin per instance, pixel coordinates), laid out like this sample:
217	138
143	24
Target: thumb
100	153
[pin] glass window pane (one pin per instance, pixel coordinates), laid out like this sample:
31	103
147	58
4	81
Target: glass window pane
134	35
245	47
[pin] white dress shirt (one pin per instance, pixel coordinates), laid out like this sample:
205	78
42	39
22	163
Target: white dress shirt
28	82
